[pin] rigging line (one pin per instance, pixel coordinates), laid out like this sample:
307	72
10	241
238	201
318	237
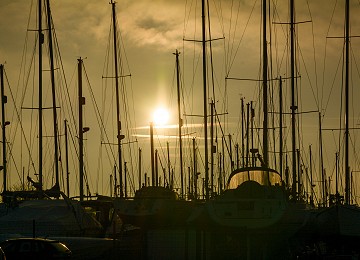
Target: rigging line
342	93
241	38
325	56
13	160
16	111
97	113
109	149
314	56
186	17
124	52
219	12
230	50
125	106
273	47
6	143
73	158
99	171
183	100
270	71
210	47
106	65
16	114
285	35
309	80
354	150
356	66
63	73
127	129
221	129
23	59
333	84
103	129
184	109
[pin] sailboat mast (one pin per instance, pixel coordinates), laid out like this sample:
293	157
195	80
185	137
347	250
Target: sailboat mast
140	173
67	160
212	107
52	74
117	98
347	167
3	101
293	106
205	100
180	121
265	87
195	175
152	154
81	144
281	129
40	41
323	185
242	132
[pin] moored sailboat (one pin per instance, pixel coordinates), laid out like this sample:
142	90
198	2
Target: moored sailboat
45	211
335	227
258	211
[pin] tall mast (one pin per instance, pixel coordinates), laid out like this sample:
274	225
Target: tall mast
265	88
81	144
140	157
180	121
311	178
323	179
3	101
118	122
168	162
281	129
293	106
212	106
242	132
152	158
205	100
195	175
52	74
41	41
347	166
67	160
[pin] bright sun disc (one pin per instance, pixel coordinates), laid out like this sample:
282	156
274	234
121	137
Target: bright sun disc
160	116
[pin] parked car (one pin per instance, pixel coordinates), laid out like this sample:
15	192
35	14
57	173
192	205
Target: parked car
2	254
34	248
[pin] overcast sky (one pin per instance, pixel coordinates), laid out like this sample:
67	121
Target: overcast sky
151	31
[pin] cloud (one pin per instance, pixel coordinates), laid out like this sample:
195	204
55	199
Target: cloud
157	24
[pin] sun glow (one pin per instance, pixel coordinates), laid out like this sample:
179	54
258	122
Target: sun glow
161	116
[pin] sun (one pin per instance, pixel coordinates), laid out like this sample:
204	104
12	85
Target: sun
161	116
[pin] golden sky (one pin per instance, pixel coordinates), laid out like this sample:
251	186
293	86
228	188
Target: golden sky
151	31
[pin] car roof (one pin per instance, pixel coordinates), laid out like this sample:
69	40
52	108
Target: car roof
32	239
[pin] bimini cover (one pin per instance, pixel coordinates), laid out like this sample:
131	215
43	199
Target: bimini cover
262	175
